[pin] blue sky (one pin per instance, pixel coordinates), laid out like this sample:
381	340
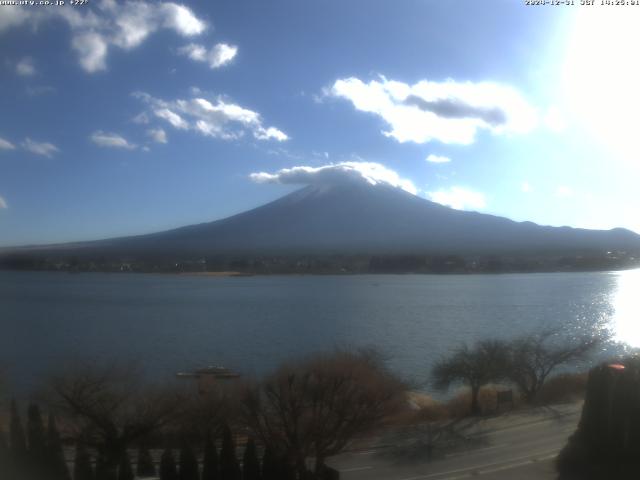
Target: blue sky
133	117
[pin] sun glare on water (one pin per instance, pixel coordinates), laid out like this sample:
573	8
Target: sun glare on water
626	304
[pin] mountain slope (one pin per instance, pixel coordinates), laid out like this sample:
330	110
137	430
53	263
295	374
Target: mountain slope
360	218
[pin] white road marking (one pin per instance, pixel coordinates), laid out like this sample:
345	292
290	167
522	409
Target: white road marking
474	450
356	469
368	452
476	469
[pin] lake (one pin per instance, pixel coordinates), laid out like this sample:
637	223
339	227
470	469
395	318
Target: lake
170	323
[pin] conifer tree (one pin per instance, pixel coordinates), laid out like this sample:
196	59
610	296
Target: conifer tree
250	463
145	467
286	470
270	470
125	472
57	465
188	464
82	469
4	448
210	464
37	446
229	467
5	457
168	466
103	470
18	444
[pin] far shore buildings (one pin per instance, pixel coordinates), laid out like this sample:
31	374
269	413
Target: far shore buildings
206	378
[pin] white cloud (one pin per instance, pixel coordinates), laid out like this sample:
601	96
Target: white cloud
217	118
337	174
3	203
125	25
158	135
142	118
92	51
526	187
26	67
437	159
194	51
459	198
6	145
110	140
562	191
39	148
181	19
12	16
270	133
449	111
219	55
173	118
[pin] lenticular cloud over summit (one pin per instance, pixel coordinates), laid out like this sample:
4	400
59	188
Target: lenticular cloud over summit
337	174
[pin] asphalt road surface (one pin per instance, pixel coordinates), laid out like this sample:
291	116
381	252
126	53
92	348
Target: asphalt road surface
518	445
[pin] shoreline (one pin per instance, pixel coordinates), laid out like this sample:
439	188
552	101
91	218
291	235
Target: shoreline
234	273
214	274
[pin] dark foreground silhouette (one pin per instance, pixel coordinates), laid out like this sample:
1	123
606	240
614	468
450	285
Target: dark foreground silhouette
606	445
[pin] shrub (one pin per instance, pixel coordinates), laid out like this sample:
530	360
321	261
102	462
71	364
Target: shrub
459	405
566	387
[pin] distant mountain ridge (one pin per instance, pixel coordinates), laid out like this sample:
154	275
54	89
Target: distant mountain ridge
355	218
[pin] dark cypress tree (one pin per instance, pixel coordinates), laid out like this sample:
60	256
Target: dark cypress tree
5	457
57	465
250	463
4	448
82	469
210	464
37	446
125	472
188	464
103	470
229	467
168	466
145	467
286	471
17	441
270	470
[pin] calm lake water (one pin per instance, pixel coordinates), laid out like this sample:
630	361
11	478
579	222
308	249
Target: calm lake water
170	323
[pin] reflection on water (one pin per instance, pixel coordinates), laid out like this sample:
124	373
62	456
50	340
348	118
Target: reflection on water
626	304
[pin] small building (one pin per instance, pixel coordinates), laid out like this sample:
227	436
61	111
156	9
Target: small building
206	378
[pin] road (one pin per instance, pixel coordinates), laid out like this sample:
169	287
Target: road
520	445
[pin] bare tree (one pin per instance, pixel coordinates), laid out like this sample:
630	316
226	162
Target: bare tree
475	367
314	408
109	409
205	414
533	357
